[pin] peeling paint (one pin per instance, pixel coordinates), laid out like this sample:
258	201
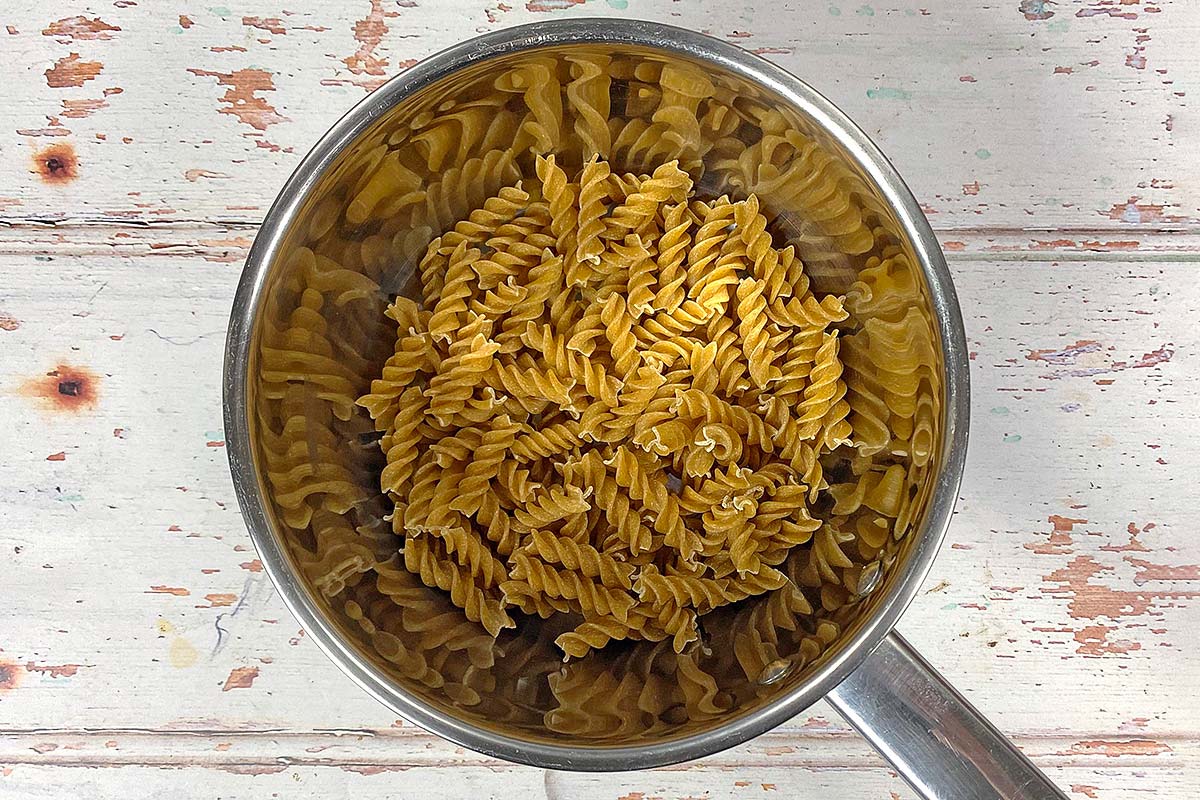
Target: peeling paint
1132	747
178	591
241	96
1060	540
1135	213
79	28
1087	600
78	109
369	67
1067	355
60	671
240	678
70	70
1035	10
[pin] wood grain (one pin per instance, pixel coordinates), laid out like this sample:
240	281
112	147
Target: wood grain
144	653
1069	116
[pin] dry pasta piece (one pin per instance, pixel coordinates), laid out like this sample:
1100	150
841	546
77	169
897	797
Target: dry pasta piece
588	97
485	465
581	558
431	563
551	505
532	576
592	208
704	594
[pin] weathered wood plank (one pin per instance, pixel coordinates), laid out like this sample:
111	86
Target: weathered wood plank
225	243
1025	115
284	779
1069	579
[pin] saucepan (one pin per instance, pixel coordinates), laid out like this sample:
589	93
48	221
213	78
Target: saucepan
308	331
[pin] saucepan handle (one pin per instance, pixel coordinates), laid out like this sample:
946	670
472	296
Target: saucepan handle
932	736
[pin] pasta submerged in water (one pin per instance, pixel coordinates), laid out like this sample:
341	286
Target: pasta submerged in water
613	407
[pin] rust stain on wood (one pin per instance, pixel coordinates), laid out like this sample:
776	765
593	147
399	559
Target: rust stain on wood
185	22
10	676
64	388
59	456
9	323
219	600
241	96
252	566
71	70
240	678
57	163
72	28
1084	789
178	591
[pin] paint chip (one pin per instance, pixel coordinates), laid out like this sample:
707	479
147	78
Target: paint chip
240	678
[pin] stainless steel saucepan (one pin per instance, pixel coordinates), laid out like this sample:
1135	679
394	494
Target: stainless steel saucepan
307	328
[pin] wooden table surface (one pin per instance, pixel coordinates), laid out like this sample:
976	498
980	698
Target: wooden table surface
143	652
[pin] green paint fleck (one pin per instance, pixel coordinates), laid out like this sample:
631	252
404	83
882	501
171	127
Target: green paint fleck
176	30
43	258
888	93
1012	438
1000	411
619	5
834	11
983	153
865	11
1153	290
69	498
949	606
1058	26
220	11
908	12
214	435
1104	180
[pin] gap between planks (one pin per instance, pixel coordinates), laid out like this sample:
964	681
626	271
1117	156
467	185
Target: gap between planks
410	747
229	242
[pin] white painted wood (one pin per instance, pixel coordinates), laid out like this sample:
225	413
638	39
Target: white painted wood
996	117
1064	604
132	553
